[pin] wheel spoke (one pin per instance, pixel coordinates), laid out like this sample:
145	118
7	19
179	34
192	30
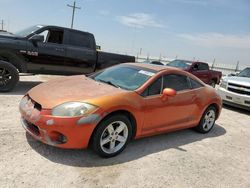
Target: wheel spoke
110	129
6	75
120	128
121	139
3	72
205	125
105	141
112	145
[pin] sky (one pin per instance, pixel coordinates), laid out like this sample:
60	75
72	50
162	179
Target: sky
187	29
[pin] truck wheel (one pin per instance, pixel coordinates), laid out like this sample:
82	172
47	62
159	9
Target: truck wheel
112	136
213	83
9	76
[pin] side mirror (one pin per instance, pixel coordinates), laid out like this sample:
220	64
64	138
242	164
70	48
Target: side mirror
36	38
168	92
234	74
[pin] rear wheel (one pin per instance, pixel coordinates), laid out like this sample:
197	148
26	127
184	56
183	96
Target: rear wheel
112	136
207	120
9	76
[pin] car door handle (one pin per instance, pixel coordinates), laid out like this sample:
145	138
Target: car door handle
59	49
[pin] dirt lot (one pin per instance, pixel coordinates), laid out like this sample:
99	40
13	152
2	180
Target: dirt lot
181	159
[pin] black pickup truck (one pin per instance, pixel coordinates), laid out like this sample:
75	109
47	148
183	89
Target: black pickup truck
51	50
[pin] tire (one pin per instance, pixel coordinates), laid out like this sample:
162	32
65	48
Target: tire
111	136
9	76
207	120
213	83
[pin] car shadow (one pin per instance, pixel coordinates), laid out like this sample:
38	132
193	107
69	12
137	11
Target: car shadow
240	110
22	87
135	150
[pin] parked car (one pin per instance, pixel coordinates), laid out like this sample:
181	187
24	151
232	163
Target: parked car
199	69
111	107
51	50
235	90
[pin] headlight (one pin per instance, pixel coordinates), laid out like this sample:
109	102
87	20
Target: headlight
73	109
223	84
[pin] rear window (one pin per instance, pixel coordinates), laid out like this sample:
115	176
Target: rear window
203	66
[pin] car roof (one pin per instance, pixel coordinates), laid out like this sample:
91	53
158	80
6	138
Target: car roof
154	67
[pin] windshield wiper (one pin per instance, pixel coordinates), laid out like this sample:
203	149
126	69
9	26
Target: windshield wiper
108	82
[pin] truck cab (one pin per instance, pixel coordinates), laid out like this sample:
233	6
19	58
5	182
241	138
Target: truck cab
56	50
199	69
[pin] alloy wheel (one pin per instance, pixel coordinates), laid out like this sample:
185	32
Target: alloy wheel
5	76
114	137
209	120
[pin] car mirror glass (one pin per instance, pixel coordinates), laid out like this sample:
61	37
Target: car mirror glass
168	92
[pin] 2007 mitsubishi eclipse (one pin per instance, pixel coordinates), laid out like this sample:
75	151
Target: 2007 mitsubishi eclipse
111	107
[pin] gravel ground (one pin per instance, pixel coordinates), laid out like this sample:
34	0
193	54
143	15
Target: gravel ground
180	159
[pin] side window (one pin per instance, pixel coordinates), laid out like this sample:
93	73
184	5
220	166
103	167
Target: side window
80	39
45	35
176	81
195	84
195	67
154	89
55	36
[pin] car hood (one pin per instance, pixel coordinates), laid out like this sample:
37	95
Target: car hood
238	80
72	88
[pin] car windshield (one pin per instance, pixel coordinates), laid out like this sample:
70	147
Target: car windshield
245	73
180	64
28	31
125	77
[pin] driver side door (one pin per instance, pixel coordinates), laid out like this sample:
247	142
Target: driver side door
173	113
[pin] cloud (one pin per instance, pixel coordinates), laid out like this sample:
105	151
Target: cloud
139	20
219	40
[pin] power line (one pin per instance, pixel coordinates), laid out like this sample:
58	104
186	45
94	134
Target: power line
74	7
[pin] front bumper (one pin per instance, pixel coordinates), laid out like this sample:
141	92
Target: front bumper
71	133
234	99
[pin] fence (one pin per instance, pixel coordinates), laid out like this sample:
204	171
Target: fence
224	68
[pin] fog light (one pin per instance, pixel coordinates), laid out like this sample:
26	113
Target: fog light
62	139
57	137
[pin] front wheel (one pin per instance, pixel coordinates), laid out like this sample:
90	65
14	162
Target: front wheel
207	120
9	76
112	136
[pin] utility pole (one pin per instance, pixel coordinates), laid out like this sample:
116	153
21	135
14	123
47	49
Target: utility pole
2	25
74	7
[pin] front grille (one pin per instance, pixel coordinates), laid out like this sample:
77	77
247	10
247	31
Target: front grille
239	91
33	128
237	88
237	85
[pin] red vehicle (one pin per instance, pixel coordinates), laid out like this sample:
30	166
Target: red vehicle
199	69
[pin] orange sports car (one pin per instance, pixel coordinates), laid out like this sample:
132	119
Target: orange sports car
108	109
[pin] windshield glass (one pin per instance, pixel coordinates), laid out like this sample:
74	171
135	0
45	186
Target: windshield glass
129	78
180	64
27	31
245	73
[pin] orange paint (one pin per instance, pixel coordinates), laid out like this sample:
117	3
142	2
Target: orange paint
152	114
